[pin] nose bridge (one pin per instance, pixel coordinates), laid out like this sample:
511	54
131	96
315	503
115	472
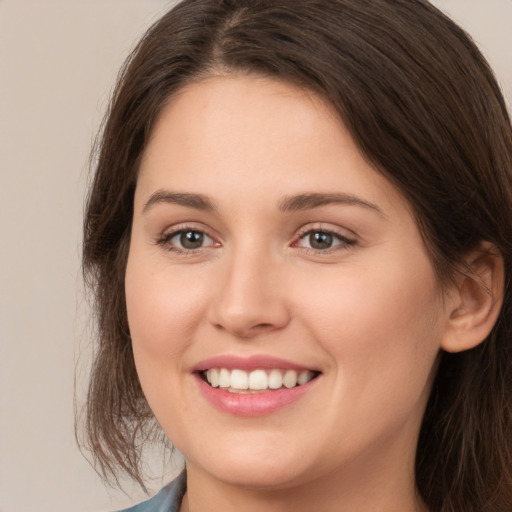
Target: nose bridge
251	298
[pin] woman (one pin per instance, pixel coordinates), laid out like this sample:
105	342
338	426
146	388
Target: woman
299	241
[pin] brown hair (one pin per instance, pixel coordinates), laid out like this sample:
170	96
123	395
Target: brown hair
423	107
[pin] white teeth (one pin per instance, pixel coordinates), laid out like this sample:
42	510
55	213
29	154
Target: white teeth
257	380
239	380
305	377
275	379
212	376
290	379
224	378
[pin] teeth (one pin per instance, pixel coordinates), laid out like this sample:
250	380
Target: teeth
275	379
224	378
257	380
212	376
304	377
239	380
290	379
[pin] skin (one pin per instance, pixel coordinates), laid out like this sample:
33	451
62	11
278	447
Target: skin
369	314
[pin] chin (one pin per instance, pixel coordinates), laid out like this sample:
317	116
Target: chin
256	465
270	475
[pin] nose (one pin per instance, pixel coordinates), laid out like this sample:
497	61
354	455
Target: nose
251	298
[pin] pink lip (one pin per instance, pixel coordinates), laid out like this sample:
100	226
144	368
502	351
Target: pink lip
252	404
256	362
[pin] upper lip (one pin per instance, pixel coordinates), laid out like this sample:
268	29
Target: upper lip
255	362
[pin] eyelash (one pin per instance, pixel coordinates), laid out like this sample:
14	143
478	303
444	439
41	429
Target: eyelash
165	240
343	241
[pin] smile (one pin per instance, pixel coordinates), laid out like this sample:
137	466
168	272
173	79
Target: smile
256	385
256	381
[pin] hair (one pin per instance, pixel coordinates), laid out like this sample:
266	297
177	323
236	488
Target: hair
424	108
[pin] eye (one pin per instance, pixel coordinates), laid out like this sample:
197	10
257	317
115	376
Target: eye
320	240
186	240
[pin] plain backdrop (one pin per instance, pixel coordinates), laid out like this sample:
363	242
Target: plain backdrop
58	63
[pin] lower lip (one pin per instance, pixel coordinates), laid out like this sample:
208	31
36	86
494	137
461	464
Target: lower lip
252	404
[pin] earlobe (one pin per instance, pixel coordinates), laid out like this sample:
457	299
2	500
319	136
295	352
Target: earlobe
476	299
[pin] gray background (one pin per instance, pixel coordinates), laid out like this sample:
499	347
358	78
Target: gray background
58	62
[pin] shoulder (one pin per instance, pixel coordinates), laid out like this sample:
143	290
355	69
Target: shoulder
167	500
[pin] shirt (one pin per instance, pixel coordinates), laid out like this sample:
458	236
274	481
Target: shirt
167	500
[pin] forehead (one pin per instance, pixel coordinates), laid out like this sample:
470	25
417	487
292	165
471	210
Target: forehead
220	109
249	131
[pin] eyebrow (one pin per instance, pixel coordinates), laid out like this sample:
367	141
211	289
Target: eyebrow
196	201
294	203
315	200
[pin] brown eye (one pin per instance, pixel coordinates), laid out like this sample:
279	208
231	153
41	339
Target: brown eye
186	240
320	240
191	239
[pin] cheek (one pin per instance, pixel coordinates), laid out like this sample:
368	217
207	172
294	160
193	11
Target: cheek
163	310
382	330
358	300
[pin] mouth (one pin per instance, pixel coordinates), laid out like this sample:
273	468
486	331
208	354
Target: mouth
256	385
256	381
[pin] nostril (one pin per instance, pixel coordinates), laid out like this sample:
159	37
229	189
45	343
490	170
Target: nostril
262	326
244	330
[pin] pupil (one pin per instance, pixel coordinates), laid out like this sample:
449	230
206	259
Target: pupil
191	239
320	240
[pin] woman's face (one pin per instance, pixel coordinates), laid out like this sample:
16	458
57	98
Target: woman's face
266	252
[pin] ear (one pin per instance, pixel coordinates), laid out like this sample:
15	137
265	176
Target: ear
475	300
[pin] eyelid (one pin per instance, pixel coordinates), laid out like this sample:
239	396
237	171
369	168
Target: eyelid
326	228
